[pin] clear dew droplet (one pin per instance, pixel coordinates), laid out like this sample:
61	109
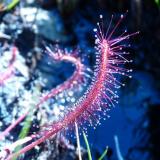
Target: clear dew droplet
101	16
122	15
95	29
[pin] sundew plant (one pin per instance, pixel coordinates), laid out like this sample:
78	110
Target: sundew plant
83	99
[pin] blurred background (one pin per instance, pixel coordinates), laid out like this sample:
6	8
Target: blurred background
133	129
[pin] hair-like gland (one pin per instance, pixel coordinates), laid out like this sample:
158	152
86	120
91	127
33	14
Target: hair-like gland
10	69
76	79
108	58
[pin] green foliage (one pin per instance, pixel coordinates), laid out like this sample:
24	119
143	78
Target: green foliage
157	2
103	154
87	145
28	121
24	131
12	4
89	151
